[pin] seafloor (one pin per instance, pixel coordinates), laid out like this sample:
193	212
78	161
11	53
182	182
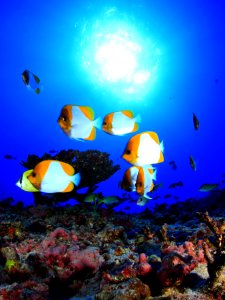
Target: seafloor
55	252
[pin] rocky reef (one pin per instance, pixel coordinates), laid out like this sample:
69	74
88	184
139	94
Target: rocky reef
78	253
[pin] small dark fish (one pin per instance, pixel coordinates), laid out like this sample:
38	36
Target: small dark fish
173	164
192	163
175	184
53	151
31	80
167	196
208	187
195	121
9	156
157	186
176	197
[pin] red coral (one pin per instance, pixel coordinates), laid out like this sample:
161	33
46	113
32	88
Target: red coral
179	261
142	268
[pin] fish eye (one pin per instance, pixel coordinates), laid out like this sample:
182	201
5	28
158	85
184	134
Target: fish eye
128	152
64	118
104	123
33	174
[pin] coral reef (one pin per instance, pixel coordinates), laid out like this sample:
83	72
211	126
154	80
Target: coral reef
70	253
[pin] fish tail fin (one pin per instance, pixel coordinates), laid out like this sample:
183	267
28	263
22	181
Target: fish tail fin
162	147
98	123
76	179
138	118
154	174
147	197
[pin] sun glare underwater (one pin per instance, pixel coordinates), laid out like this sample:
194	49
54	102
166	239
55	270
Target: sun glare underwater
118	54
144	67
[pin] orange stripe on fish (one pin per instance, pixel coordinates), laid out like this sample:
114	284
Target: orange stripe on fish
126	182
131	150
65	118
107	122
69	188
161	158
128	113
154	136
136	127
92	135
87	111
38	173
140	183
68	169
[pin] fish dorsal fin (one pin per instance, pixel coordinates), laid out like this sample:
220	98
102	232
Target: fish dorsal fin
136	127
128	113
87	111
68	169
154	136
92	135
69	188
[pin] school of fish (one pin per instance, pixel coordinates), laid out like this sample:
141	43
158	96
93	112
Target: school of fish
78	122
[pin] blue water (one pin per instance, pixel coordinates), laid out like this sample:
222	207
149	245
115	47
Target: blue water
50	38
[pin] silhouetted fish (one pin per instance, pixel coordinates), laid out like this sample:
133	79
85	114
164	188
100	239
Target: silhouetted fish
31	80
192	163
9	156
195	121
175	184
208	187
173	164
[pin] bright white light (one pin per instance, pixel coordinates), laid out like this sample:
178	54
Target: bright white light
116	59
117	56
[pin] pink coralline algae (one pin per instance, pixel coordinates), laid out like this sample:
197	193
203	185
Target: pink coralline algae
142	268
178	261
58	255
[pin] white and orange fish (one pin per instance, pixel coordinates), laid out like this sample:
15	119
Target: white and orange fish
139	179
144	149
78	122
129	180
120	122
49	176
144	182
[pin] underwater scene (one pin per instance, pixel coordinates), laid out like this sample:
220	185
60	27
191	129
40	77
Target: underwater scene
112	154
